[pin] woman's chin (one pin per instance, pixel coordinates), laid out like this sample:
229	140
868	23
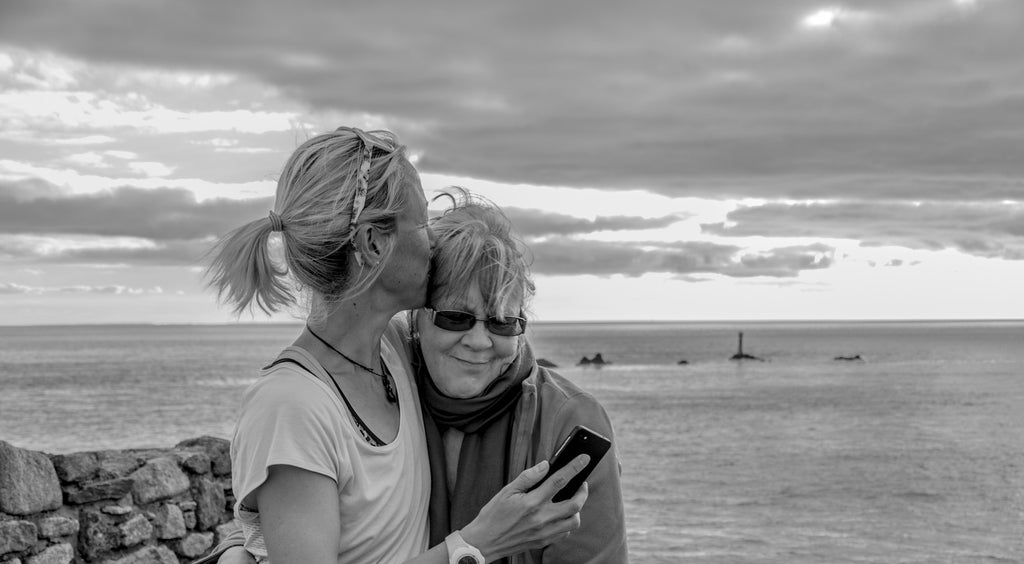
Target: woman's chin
466	394
460	392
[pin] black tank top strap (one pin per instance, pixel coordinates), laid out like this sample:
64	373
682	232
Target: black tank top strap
362	427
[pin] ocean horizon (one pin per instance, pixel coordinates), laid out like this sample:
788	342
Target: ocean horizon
911	454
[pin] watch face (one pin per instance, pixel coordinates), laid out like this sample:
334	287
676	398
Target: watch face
468	560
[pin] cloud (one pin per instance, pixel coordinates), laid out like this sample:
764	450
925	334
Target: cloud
74	180
11	288
222	145
171	214
105	253
982	229
889	124
174	213
151	169
566	256
652	95
830	18
537	223
111	112
133	226
161	214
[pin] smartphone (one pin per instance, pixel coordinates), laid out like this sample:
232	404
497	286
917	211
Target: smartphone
580	441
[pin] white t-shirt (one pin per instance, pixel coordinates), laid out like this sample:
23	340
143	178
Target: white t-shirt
292	417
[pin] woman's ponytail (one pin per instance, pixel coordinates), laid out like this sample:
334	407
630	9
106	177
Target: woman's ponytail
243	272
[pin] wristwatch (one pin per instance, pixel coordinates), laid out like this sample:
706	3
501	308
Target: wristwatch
461	552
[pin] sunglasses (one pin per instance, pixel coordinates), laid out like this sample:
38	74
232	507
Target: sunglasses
451	320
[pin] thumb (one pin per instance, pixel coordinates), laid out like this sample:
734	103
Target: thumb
529	478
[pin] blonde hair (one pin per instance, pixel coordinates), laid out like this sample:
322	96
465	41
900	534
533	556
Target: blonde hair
314	204
474	242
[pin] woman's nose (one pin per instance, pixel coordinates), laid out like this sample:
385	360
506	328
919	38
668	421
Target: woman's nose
478	337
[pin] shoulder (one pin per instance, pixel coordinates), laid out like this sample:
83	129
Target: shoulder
557	391
288	417
564	404
290	414
287	391
285	380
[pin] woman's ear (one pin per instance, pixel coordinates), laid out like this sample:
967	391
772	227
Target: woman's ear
367	246
374	243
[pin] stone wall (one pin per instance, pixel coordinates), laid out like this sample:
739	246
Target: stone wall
161	506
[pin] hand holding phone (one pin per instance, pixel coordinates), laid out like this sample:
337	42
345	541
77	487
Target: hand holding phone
580	441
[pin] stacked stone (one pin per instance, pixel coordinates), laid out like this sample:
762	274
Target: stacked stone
114	507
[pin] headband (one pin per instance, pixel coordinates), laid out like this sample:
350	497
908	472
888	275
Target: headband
359	200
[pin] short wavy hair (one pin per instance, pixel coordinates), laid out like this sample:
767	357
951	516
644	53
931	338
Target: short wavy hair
474	242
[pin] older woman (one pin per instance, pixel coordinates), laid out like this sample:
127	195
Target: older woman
329	450
491	410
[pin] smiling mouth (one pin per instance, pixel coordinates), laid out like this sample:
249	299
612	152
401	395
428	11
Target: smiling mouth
470	362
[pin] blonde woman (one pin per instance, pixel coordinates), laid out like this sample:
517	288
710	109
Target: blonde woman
329	459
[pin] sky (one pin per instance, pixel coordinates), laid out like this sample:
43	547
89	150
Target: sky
664	160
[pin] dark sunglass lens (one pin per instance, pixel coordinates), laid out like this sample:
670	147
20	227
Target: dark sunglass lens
454	320
510	327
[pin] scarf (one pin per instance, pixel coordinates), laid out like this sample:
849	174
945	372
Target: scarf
486	421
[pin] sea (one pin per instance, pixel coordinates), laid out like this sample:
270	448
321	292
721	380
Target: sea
913	453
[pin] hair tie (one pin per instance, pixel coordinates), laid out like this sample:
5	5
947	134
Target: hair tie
275	221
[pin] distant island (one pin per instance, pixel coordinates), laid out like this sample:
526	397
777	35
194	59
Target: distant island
598	360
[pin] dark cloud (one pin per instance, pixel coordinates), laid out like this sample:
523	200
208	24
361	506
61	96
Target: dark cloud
163	253
982	229
782	261
174	253
870	187
37	207
672	96
565	256
534	223
175	229
160	214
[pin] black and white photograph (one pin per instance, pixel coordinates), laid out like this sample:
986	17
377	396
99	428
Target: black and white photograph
664	281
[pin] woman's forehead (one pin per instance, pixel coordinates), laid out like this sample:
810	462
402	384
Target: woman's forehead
468	297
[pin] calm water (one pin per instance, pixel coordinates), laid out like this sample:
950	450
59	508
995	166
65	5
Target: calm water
915	455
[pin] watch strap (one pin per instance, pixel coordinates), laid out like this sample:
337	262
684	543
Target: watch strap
461	552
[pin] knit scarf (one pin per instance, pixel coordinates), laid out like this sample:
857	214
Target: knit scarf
486	421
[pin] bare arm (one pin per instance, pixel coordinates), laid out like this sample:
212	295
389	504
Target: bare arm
236	555
299	516
300	519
